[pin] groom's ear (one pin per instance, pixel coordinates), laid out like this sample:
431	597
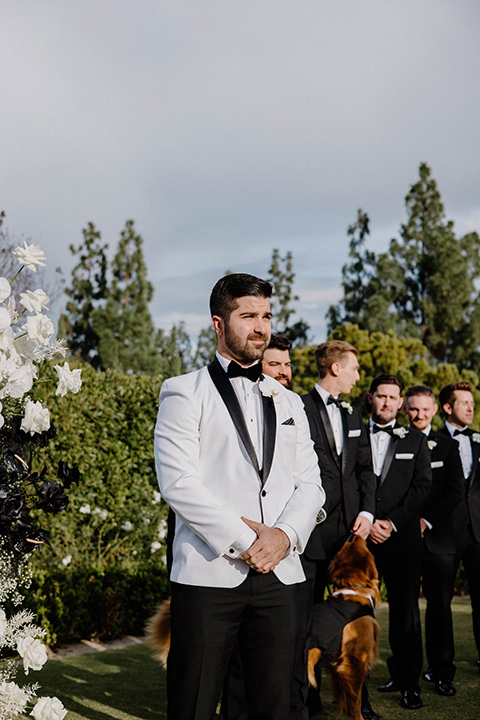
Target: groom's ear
218	325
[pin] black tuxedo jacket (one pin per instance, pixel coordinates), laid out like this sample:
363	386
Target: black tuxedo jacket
468	510
402	491
446	494
347	479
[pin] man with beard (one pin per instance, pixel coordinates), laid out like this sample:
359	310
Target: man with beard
239	471
436	527
401	463
276	360
456	401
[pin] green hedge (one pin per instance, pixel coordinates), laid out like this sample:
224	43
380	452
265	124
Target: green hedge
75	604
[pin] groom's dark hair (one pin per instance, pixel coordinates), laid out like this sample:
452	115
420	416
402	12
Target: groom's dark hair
223	298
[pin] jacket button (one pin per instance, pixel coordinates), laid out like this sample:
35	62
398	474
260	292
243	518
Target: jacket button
264	492
231	551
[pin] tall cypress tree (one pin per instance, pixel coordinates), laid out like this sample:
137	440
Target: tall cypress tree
88	289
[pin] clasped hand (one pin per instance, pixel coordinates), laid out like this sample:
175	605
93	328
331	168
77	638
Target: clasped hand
380	531
268	549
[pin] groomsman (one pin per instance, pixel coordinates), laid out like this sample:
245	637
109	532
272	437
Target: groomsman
436	526
457	403
236	464
276	360
401	463
343	451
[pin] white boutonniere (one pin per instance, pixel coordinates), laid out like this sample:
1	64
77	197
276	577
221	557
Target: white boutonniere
346	406
268	391
475	437
431	444
400	432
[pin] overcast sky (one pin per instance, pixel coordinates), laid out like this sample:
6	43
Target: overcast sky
227	128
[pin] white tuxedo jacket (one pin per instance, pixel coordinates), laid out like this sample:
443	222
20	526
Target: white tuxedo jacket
207	477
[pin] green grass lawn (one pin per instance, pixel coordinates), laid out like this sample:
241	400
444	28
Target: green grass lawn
128	684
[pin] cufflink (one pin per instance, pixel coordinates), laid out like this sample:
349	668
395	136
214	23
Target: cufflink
322	515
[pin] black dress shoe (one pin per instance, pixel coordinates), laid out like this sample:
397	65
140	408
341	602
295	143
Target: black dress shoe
428	676
391	686
445	687
411	700
368	713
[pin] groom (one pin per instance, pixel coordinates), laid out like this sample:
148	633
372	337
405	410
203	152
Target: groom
236	464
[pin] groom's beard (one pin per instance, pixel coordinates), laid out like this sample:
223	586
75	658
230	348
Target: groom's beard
242	348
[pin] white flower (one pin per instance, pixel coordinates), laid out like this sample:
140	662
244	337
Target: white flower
3	622
5	318
476	437
269	391
37	418
39	329
48	709
32	256
68	380
5	289
67	560
102	514
400	432
33	652
13	699
127	525
155	546
85	509
162	529
146	521
431	444
6	338
20	380
346	406
156	497
34	300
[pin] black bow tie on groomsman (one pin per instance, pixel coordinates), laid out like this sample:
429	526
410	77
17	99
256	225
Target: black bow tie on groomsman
253	372
380	428
465	431
335	401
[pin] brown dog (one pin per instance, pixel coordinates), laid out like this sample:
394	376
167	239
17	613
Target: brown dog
345	633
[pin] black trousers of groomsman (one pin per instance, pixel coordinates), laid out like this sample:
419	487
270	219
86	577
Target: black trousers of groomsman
439	563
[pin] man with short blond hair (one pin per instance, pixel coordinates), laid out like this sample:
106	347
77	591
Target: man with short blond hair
457	403
344	457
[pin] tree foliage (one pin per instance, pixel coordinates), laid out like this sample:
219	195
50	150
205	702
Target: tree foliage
425	286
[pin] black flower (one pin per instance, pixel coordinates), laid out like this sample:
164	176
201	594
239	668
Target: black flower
68	474
50	497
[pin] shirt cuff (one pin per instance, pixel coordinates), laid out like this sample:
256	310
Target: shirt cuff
292	536
241	544
367	515
393	526
429	525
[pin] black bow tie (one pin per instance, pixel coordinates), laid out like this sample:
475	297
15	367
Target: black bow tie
465	431
380	428
334	401
252	373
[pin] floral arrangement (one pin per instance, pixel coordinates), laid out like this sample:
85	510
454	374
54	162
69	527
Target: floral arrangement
25	341
346	406
268	391
431	444
400	432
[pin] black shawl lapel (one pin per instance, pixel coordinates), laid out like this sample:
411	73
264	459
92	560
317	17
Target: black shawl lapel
269	434
326	424
224	387
345	441
475	454
389	455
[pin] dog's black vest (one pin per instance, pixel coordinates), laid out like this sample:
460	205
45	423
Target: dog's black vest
329	620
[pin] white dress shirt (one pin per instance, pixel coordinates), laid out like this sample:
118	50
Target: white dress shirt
380	442
250	399
465	449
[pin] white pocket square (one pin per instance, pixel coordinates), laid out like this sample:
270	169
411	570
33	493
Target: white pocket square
437	463
354	433
403	456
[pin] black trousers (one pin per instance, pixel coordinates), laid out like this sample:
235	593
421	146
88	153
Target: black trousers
261	615
401	574
438	578
468	552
